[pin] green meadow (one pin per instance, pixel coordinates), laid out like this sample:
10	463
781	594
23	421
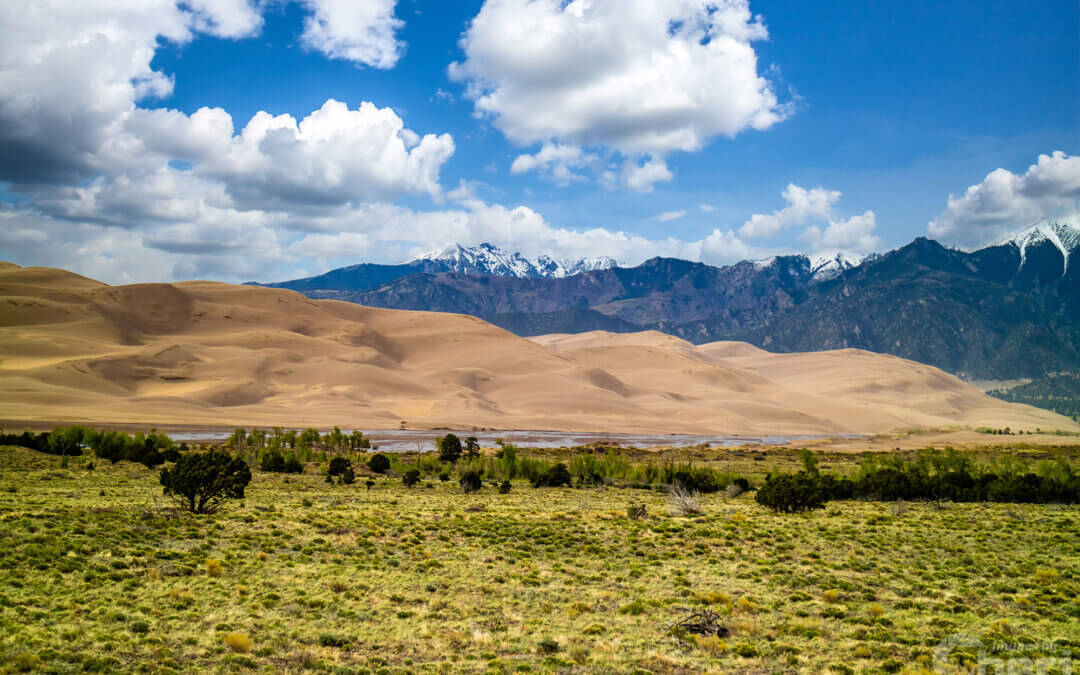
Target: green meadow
101	574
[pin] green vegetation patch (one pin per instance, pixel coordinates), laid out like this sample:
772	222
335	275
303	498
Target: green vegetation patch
101	573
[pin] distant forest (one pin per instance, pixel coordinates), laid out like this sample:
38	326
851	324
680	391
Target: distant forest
1060	393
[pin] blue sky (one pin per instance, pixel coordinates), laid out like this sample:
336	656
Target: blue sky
845	129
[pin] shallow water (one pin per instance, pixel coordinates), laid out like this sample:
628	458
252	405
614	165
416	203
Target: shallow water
393	440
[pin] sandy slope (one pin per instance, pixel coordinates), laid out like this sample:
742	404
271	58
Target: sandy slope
204	353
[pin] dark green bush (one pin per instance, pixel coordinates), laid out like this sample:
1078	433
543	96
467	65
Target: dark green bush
471	481
201	482
411	478
555	476
338	466
504	487
276	462
152	460
934	475
792	493
379	463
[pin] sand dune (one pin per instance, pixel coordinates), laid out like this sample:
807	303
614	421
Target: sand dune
202	353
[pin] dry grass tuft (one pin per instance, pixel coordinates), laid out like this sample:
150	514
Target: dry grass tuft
683	502
239	642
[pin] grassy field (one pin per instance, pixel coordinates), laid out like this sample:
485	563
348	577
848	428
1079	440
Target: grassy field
302	575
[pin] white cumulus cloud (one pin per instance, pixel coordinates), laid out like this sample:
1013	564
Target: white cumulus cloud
636	76
361	31
1004	201
802	206
560	162
825	231
642	177
854	235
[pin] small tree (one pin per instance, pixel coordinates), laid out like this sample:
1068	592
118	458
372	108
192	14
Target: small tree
201	482
472	447
379	463
449	448
309	439
357	441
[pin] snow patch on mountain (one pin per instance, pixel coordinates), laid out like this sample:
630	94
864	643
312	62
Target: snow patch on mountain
831	264
823	266
1064	236
489	259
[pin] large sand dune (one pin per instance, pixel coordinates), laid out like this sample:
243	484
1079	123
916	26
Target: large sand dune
75	350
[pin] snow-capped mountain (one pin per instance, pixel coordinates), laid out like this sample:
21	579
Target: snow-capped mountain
830	265
823	266
490	259
1000	312
1065	237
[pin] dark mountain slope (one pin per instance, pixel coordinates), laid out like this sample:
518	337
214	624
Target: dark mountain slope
933	305
1006	311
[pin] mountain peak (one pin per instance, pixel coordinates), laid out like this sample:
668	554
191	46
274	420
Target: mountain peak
829	265
1065	237
486	258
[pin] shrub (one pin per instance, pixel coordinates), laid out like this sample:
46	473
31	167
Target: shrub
379	463
273	462
555	476
792	493
338	466
201	482
411	478
683	502
348	476
547	646
214	568
444	476
239	642
470	481
152	459
504	487
449	448
140	627
635	608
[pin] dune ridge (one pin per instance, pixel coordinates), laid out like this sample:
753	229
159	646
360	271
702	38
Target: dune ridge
204	353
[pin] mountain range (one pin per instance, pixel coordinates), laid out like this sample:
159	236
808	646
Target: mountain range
1009	310
485	259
